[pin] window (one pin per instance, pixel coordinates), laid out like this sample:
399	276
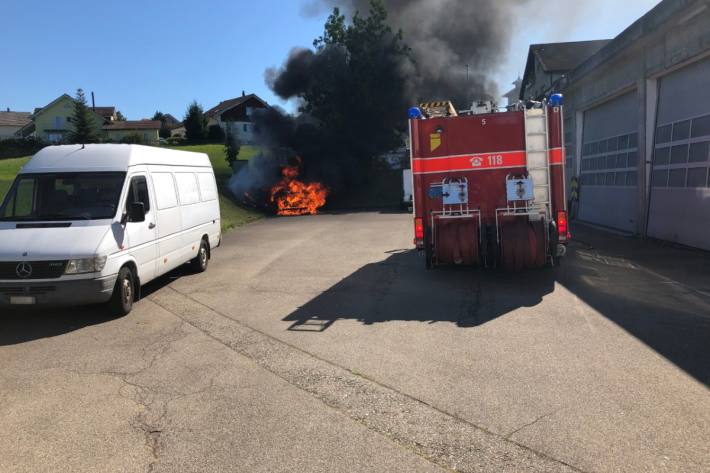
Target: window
63	196
659	178
701	127
610	178
58	122
676	178
681	130
246	128
679	154
621	160
164	190
698	152
208	189
632	159
631	178
697	177
138	192
187	188
661	156
633	140
594	148
624	142
620	179
663	134
612	144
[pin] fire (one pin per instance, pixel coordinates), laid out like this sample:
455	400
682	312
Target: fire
293	197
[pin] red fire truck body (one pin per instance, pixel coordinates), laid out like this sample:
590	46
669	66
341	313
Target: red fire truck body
488	189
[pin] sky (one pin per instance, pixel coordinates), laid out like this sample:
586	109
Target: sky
143	56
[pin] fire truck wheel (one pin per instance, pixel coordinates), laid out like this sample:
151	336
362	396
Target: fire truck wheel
508	246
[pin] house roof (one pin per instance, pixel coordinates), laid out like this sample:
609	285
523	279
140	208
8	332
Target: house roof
559	57
225	105
67	96
133	125
563	57
15	118
104	111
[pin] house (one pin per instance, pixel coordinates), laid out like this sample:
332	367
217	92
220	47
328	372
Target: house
12	122
236	115
548	64
52	123
147	130
513	95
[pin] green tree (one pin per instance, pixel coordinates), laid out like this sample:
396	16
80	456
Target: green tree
84	129
119	116
164	129
195	123
354	85
232	146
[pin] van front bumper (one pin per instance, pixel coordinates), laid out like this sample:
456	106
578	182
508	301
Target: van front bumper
56	292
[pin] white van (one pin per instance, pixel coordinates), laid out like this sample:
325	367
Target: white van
91	224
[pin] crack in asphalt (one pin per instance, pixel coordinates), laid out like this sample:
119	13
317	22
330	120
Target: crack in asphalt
424	429
530	424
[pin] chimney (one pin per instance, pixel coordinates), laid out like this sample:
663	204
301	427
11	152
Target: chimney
93	102
8	109
243	94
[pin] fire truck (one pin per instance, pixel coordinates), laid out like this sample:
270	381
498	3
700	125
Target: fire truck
489	186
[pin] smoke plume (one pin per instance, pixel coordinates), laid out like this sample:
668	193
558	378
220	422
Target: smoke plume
445	37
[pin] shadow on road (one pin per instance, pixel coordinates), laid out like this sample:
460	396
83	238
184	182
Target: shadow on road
26	324
399	288
670	318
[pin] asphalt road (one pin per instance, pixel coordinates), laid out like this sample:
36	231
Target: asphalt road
321	344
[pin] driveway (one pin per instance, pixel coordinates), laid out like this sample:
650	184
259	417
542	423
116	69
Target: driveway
322	344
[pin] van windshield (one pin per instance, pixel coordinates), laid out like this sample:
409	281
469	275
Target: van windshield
63	196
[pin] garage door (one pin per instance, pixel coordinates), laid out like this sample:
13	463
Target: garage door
680	195
609	173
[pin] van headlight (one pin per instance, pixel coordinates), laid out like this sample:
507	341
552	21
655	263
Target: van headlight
86	265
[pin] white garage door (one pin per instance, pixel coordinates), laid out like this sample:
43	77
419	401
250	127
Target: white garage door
609	174
679	209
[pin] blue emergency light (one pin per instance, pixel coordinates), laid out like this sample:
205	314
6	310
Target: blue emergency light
557	100
415	113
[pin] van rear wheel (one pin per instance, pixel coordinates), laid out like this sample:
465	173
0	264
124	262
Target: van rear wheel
202	260
124	293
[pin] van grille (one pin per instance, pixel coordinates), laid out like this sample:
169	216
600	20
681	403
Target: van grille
39	269
26	291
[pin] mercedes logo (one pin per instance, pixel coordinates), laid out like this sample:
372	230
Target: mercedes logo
23	270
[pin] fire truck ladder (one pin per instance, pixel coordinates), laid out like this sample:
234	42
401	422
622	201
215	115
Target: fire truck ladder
538	157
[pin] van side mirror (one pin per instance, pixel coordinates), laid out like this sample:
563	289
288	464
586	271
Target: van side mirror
136	212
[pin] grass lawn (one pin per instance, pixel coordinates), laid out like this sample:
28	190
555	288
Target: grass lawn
233	215
8	170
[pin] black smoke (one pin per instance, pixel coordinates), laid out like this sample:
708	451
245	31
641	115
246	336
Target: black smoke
445	37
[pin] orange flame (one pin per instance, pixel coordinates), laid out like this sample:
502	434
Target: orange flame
293	197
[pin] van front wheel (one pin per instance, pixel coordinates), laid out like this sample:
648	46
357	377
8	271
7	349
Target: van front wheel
202	260
124	293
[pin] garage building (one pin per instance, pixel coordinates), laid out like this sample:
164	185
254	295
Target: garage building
637	124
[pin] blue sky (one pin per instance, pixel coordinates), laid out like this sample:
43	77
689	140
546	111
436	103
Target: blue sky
159	55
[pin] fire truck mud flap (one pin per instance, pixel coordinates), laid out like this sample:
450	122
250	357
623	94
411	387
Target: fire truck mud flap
456	241
523	244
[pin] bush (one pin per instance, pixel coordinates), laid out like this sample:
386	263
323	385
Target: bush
18	147
133	139
175	141
215	133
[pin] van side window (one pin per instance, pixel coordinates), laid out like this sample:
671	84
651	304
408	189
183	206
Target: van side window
138	192
164	190
187	188
208	189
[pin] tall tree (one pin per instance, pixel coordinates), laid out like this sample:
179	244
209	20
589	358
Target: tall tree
84	128
195	123
164	130
119	116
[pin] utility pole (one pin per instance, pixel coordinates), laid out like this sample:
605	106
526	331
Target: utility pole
468	87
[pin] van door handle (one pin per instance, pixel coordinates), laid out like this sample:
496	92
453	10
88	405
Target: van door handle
151	226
